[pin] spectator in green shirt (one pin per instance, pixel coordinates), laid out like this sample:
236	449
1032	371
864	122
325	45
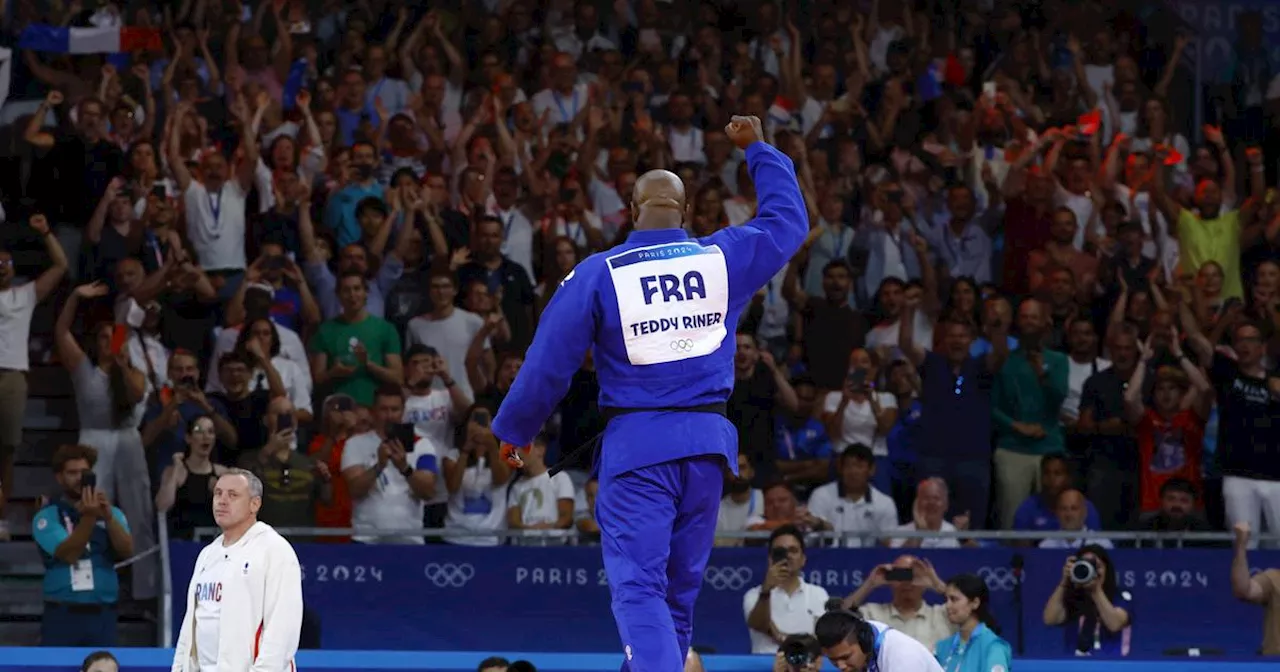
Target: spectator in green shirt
1026	398
355	352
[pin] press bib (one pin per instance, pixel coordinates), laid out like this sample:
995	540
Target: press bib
672	301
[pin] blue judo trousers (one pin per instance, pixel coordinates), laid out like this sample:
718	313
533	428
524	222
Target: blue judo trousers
658	314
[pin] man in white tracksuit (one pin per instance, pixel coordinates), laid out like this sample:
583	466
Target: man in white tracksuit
244	604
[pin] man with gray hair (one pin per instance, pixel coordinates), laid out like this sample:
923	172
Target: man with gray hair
244	604
928	515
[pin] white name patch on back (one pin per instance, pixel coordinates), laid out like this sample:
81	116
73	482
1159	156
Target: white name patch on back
672	300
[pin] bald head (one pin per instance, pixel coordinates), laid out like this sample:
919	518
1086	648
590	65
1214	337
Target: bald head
1072	510
657	201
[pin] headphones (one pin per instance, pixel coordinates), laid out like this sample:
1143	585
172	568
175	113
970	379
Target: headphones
863	632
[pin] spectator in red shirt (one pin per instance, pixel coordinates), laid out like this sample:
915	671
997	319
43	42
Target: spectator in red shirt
339	417
1170	428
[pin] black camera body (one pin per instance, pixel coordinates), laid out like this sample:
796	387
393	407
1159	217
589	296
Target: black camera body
800	650
1083	571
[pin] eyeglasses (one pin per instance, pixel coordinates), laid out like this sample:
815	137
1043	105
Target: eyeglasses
201	429
959	384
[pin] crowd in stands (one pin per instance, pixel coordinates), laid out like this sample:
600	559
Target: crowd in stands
1034	295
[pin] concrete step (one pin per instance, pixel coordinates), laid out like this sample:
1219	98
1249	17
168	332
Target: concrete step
26	632
21	598
50	413
32	481
20	559
49	382
38	445
19	514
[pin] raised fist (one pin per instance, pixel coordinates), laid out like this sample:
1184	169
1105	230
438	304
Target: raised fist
743	131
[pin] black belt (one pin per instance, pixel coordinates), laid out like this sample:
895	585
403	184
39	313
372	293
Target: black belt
719	408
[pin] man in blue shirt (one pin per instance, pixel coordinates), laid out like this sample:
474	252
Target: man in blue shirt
1038	512
81	537
804	449
655	313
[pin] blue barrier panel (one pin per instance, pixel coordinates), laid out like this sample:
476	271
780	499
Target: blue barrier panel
538	599
158	660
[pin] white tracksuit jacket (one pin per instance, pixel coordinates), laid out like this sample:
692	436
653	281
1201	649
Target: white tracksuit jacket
261	614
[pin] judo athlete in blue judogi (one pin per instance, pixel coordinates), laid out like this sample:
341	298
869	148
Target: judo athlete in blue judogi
658	313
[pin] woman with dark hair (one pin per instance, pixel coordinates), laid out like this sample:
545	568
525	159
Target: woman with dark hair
109	394
1097	616
186	486
964	302
100	661
296	379
562	255
977	645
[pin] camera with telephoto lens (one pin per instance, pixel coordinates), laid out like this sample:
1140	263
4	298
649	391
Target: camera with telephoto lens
800	650
1083	571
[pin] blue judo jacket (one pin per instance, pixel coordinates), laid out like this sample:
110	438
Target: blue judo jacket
659	314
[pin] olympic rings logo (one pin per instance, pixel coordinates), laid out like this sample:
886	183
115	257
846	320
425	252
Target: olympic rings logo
449	575
998	578
728	578
682	345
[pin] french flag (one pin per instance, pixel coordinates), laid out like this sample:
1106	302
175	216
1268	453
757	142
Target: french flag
92	40
782	111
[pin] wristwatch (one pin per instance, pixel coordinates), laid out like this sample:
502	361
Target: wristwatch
407	471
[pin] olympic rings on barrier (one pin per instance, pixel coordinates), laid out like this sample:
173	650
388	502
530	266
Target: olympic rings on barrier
728	578
449	575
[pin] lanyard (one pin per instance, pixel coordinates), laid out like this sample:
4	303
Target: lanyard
506	225
791	445
958	649
573	235
771	294
215	207
568	118
66	522
838	250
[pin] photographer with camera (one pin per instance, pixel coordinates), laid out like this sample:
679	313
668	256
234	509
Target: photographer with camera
784	604
1097	616
908	578
798	653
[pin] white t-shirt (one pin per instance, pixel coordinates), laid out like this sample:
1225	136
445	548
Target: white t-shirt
886	335
215	225
875	512
1077	373
16	306
477	505
209	581
932	542
290	349
391	504
432	417
792	613
538	498
859	423
735	517
899	651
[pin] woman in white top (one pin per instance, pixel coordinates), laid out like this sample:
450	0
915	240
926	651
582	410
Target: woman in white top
1155	127
860	413
296	379
476	476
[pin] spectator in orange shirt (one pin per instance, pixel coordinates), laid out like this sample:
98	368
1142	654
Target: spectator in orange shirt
340	419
